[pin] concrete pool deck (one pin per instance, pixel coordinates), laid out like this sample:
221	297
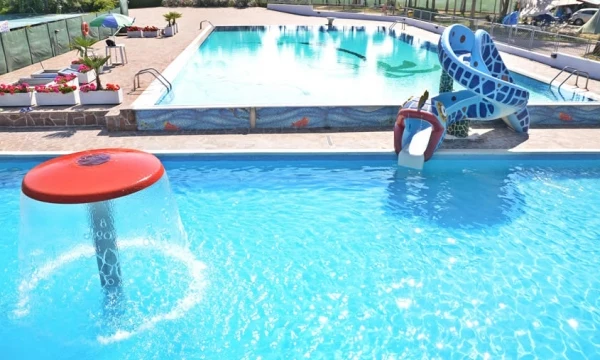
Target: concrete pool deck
159	53
69	139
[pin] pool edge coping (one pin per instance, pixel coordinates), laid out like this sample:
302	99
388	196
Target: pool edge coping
154	91
366	151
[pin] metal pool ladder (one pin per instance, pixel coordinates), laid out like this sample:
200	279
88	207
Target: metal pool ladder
157	75
401	21
572	71
203	21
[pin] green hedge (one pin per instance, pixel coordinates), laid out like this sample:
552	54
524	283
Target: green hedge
136	4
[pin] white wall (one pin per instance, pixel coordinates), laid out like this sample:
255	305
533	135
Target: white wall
561	60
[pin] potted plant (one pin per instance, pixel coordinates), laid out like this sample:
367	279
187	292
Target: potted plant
134	32
110	95
170	29
16	95
82	45
75	64
66	79
150	31
171	18
95	93
58	94
85	74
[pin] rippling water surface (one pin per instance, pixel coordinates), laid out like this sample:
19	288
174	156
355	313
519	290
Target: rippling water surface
336	258
317	66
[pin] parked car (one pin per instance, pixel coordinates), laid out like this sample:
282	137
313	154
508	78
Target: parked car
582	16
543	20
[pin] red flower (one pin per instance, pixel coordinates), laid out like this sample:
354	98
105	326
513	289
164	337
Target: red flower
112	87
62	88
14	89
63	79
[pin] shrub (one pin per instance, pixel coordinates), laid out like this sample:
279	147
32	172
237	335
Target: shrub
136	4
178	3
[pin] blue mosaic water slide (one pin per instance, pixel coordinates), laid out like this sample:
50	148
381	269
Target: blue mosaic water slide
473	61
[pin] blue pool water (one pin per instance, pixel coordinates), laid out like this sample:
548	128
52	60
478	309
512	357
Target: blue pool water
289	65
344	257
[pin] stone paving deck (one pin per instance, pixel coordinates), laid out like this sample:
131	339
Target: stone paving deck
69	139
159	53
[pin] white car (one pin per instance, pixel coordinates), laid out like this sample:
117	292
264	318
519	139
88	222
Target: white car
582	16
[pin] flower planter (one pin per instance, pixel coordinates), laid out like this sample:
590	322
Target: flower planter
176	26
86	78
74	66
46	73
18	99
57	99
170	31
135	34
102	97
36	81
151	34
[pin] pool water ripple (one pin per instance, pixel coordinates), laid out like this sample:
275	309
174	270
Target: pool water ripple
340	259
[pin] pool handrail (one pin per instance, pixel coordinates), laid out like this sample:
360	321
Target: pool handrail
157	75
203	21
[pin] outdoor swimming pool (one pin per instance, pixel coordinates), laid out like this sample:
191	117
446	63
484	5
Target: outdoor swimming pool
340	256
301	65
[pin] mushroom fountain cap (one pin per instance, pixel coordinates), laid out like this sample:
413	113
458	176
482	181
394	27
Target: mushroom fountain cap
92	176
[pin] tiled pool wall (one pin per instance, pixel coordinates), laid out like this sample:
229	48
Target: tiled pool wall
563	115
173	118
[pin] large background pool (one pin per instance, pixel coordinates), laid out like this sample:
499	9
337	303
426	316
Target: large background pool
343	257
301	65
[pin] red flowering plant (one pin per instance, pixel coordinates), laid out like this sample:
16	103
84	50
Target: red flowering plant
83	69
14	89
134	28
150	28
61	88
63	79
93	87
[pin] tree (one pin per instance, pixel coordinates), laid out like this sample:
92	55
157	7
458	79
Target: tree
504	4
96	63
171	17
82	44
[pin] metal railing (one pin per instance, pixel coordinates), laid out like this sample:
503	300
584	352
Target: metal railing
401	21
205	21
572	71
157	75
533	38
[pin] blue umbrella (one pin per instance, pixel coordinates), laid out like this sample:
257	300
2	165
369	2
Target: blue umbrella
114	21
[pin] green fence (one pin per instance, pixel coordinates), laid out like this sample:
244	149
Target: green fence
25	46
